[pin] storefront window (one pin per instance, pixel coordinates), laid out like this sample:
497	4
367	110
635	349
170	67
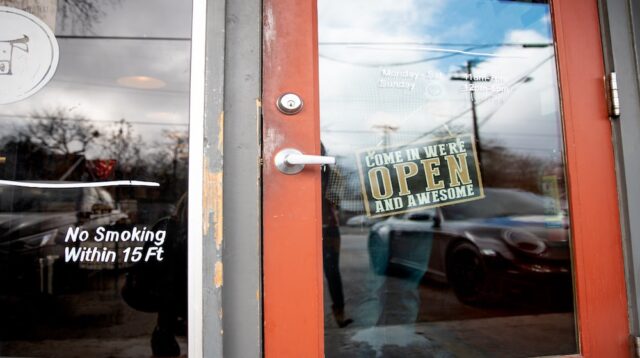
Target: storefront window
93	182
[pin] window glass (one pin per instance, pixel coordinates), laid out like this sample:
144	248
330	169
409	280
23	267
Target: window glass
93	183
445	218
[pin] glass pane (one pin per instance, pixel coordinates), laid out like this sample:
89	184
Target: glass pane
445	219
89	268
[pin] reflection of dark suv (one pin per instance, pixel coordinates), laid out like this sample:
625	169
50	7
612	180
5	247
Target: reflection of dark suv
483	247
33	225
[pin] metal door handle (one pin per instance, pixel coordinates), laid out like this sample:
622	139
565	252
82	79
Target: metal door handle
292	161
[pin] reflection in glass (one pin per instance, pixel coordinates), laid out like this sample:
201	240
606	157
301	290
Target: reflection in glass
99	271
475	278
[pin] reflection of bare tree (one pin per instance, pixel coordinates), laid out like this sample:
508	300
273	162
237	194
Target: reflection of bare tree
82	14
50	146
54	130
504	168
178	148
123	145
170	159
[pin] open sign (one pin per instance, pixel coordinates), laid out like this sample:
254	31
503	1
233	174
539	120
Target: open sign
417	176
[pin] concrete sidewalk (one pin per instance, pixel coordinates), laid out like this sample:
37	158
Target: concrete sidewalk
514	336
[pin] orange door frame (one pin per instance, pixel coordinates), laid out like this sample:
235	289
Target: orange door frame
293	309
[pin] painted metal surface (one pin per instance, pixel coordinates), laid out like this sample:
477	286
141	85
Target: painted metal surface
293	318
598	261
205	180
242	296
620	18
212	177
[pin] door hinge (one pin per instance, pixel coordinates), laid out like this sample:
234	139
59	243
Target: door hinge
613	97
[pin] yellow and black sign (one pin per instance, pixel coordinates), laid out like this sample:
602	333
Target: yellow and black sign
420	175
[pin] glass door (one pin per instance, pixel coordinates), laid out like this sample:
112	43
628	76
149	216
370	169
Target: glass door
447	223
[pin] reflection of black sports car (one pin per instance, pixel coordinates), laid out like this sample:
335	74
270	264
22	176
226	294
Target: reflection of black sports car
480	247
33	225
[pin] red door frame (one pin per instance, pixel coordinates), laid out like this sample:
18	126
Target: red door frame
597	245
292	251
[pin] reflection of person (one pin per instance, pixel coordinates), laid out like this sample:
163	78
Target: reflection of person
395	299
172	311
331	250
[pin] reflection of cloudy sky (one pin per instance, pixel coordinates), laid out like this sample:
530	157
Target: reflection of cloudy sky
86	82
419	38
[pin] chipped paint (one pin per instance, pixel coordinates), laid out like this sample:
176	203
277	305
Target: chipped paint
212	205
217	277
269	31
220	131
212	190
272	141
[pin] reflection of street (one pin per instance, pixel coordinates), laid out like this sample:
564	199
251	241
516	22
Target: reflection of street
445	327
136	347
87	324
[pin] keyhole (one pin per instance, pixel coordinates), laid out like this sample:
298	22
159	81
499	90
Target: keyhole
289	103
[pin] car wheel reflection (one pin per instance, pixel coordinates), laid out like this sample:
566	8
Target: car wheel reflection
467	274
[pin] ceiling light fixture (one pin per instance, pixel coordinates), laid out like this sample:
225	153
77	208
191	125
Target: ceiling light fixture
141	82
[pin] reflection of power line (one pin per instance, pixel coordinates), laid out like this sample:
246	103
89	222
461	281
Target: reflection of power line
443	44
396	47
369	132
144	123
521	134
386	64
519	80
404	63
73	37
121	88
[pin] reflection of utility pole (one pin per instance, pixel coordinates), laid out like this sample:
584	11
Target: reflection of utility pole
471	79
387	129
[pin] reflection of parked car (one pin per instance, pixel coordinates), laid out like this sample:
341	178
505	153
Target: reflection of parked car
33	225
480	247
362	221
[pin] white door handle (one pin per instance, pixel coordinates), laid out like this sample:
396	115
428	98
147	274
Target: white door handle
292	161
